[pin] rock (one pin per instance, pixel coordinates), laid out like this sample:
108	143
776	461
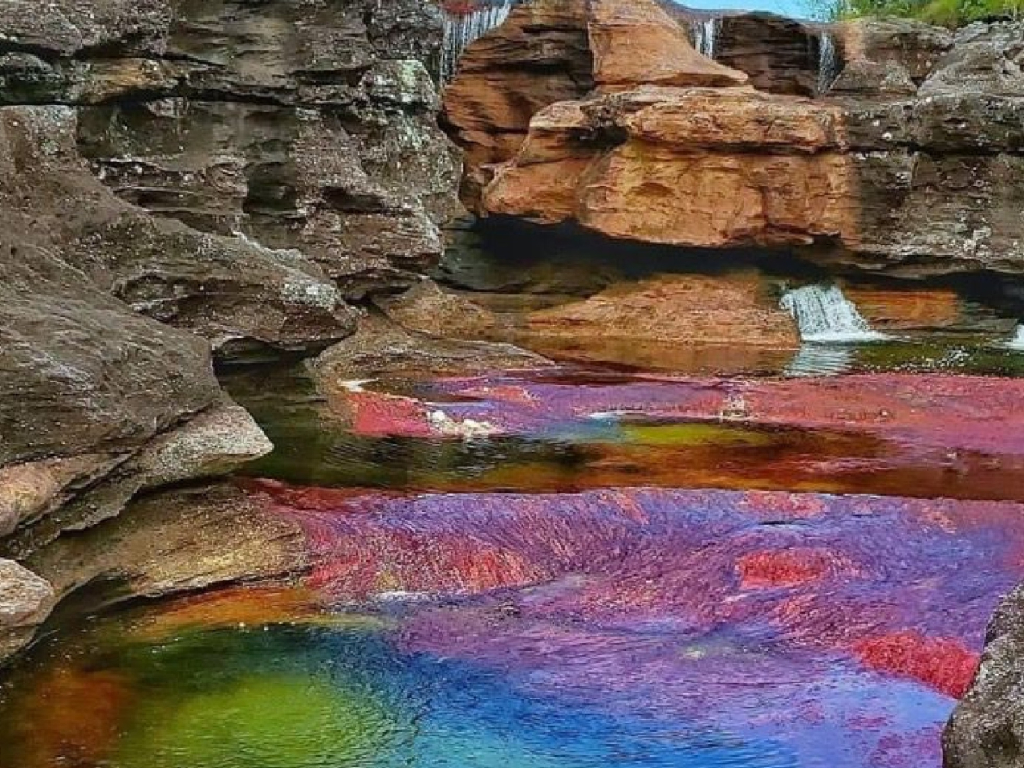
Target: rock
635	43
382	348
985	730
922	309
308	126
985	58
779	55
540	55
239	294
682	172
876	177
428	308
178	541
913	46
25	602
676	309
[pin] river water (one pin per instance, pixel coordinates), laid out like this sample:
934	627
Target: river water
581	566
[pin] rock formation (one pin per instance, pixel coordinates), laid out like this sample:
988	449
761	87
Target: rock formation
874	175
180	183
985	730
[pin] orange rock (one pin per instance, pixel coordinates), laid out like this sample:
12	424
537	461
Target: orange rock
636	42
685	166
540	55
681	309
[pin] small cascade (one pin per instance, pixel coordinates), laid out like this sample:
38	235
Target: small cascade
1017	342
465	22
828	61
704	33
824	314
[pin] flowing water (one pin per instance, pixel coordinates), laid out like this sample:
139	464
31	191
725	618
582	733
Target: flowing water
1017	342
829	63
469	21
823	313
583	566
704	34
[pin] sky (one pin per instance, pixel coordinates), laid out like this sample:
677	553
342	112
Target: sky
794	8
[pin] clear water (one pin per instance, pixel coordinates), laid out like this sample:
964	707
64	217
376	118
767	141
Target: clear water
829	63
706	560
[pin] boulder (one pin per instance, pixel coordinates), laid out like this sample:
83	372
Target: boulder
987	727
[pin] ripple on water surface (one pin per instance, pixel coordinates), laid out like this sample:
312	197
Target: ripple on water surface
622	627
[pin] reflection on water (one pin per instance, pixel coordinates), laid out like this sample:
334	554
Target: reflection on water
821	360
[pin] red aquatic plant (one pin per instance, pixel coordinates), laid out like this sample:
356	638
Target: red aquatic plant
943	663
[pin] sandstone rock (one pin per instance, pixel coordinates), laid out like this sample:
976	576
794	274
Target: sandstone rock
238	294
540	55
635	43
876	178
985	730
178	541
25	602
428	308
779	55
382	348
986	58
306	126
683	171
914	46
676	309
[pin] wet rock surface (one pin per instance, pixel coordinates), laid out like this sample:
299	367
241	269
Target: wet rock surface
25	602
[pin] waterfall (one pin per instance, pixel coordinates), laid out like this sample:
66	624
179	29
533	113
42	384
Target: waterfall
823	313
828	61
704	33
1018	339
466	23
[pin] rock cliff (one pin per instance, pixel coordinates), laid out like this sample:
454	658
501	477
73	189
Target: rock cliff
182	183
909	165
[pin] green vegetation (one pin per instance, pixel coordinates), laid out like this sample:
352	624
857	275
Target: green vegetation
949	13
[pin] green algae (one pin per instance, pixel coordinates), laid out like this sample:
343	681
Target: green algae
285	721
695	434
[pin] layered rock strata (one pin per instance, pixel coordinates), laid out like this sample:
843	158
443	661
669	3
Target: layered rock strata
182	182
914	172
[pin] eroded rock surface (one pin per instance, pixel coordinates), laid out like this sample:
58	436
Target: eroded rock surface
986	728
911	166
25	602
682	310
